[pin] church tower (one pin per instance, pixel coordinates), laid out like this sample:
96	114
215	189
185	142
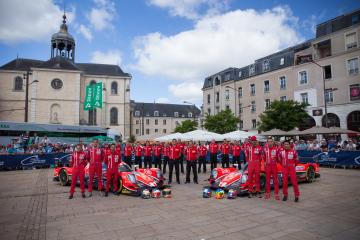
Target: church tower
62	43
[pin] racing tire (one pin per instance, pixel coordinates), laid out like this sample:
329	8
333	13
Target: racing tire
310	174
262	183
120	186
64	178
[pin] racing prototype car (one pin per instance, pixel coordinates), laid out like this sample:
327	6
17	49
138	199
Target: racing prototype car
130	181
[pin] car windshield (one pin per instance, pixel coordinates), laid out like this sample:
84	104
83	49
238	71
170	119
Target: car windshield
124	167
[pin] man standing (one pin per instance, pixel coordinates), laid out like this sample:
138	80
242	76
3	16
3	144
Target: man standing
253	157
236	151
148	155
157	155
96	156
191	157
202	157
181	160
174	153
112	161
289	159
225	149
271	160
213	154
128	154
138	155
78	162
166	150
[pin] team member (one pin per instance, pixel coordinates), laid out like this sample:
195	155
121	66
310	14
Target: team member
118	148
191	157
166	150
181	159
148	155
78	163
225	150
213	147
157	155
138	154
271	160
253	156
202	157
96	156
128	154
174	154
236	151
112	161
289	159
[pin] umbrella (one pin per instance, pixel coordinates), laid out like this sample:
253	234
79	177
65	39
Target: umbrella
237	135
293	132
170	137
316	130
274	132
342	131
202	135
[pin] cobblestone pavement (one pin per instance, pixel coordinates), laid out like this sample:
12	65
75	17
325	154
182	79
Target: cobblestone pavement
32	206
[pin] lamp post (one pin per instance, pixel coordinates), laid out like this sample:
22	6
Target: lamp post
27	84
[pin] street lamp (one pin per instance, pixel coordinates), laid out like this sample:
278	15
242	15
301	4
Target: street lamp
27	84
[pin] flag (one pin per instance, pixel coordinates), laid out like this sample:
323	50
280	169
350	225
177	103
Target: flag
88	102
98	95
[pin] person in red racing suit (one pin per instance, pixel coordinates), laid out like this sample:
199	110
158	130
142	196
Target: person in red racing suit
174	159
166	154
271	160
202	157
289	158
96	155
148	155
128	154
138	155
236	151
112	161
191	153
225	150
157	155
213	148
253	156
78	162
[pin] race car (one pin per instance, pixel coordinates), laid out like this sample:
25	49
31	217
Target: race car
232	178
130	181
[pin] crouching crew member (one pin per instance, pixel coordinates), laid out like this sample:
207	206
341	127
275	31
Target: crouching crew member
78	162
225	150
112	161
96	156
202	158
138	155
191	157
128	154
147	155
236	151
271	160
174	155
253	157
289	159
157	155
213	147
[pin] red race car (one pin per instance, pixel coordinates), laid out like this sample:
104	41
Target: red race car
232	178
130	181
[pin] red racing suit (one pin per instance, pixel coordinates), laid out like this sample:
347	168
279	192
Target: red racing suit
253	157
271	160
112	161
78	162
96	156
289	159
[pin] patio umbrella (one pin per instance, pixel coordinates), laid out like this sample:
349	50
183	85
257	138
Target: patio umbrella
202	135
237	135
170	137
293	132
274	132
342	131
316	130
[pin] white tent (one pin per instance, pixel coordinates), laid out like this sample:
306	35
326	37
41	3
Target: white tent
237	135
170	137
202	135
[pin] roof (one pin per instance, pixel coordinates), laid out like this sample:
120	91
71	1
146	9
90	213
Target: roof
165	109
102	69
59	63
21	64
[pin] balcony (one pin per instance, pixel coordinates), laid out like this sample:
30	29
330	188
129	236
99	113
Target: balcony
303	59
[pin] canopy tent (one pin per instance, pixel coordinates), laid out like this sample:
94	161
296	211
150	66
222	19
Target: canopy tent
202	135
274	132
151	137
237	135
170	137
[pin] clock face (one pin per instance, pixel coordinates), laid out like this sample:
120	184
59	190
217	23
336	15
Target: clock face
56	83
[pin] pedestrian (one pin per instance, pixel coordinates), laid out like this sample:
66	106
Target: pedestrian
253	157
157	155
236	151
78	162
128	154
112	161
191	157
271	170
96	156
148	155
166	153
213	147
182	149
174	159
225	150
202	157
138	155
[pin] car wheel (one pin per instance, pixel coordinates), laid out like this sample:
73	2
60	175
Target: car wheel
64	178
120	185
310	174
262	183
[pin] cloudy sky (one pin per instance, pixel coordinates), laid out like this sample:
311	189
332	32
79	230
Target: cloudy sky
168	46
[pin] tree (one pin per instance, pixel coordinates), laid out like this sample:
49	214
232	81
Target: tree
223	122
186	126
284	115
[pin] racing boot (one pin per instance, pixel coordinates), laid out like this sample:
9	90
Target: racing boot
267	195
83	195
285	198
106	194
277	197
258	194
90	194
296	199
71	196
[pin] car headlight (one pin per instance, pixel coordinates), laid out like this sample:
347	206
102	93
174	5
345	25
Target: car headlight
244	178
214	173
131	178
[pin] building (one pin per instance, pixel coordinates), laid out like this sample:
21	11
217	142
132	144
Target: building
56	89
326	67
160	118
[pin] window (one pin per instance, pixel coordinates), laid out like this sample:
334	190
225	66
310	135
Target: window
240	92
209	111
92	82
156	113
304	98
240	108
327	72
114	88
227	95
253	122
355	19
252	89
329	97
137	122
240	74
217	80
113	116
282	61
354	92
266	65
253	106
147	121
177	123
156	130
217	97
147	131
350	41
283	98
267	103
282	83
137	113
241	124
137	131
92	117
302	77
353	66
156	122
227	77
227	107
164	121
176	114
208	98
217	109
251	69
266	86
164	114
164	130
18	84
190	115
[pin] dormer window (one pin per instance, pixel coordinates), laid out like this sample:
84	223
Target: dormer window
240	74
137	113
266	65
176	114
217	80
282	61
252	69
190	115
156	113
227	76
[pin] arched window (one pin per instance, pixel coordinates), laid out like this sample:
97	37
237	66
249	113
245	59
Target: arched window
113	116
55	113
308	122
92	82
18	84
92	117
114	88
332	120
353	121
156	113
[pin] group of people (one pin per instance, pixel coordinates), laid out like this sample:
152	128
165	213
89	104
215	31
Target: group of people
324	145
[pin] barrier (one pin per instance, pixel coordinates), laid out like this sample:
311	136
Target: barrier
342	158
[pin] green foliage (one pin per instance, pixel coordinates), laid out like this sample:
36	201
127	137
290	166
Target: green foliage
223	122
284	115
132	139
186	126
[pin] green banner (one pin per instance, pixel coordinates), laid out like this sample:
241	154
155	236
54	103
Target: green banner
98	95
88	102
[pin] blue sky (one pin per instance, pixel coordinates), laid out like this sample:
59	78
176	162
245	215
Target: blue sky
169	46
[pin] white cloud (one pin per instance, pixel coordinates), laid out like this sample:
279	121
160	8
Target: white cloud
186	91
29	20
102	14
86	32
109	57
162	100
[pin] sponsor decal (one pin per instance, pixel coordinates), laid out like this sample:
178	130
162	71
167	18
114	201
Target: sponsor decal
32	160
